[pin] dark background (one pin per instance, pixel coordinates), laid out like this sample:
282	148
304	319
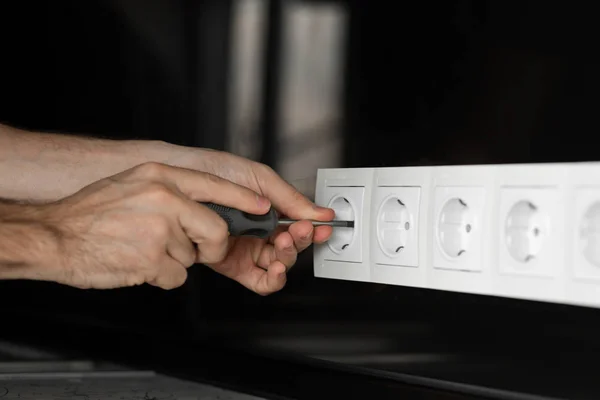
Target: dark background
455	82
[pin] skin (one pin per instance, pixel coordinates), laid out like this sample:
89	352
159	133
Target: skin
104	214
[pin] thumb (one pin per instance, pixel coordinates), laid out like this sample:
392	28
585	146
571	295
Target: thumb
287	199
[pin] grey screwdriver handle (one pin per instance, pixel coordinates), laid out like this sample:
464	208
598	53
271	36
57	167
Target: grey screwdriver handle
244	224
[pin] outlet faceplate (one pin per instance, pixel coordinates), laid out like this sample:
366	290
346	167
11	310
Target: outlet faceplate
529	231
586	234
345	244
528	242
346	254
458	228
396	225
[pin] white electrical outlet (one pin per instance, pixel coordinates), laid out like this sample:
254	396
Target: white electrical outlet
346	254
458	228
398	211
528	243
583	241
460	223
586	235
345	244
527	231
396	225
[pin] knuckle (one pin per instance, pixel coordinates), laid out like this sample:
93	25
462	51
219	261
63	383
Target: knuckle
159	193
213	254
221	231
218	232
189	259
150	170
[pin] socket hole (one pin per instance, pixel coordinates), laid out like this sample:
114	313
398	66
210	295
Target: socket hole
342	237
454	224
523	236
393	223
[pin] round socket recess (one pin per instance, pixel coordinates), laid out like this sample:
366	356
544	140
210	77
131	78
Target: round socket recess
455	226
590	234
525	229
393	224
341	238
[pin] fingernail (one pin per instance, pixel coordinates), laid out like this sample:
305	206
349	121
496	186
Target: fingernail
262	202
324	210
307	236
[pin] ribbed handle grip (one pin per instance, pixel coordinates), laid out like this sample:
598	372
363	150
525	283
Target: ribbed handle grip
244	224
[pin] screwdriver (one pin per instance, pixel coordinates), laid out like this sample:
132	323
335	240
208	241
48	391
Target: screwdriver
241	223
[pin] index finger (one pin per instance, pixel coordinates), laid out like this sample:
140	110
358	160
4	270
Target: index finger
288	200
205	187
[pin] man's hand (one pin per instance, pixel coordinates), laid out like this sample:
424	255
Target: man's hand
48	167
261	265
144	225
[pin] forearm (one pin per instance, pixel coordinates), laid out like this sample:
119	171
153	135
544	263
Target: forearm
29	249
45	167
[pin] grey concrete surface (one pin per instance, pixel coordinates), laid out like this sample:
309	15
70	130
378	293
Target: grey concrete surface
100	386
34	374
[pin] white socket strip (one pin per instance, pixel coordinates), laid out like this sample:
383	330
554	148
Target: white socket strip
526	231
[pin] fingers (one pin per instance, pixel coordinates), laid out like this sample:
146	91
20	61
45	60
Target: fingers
181	248
302	234
288	199
283	250
204	187
171	275
262	279
205	228
266	282
322	234
190	223
286	245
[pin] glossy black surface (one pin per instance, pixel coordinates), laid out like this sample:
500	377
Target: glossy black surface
427	82
270	376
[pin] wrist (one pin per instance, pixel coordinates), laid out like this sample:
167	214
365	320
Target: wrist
29	247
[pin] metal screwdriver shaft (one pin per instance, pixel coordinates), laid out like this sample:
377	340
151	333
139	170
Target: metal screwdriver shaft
335	224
